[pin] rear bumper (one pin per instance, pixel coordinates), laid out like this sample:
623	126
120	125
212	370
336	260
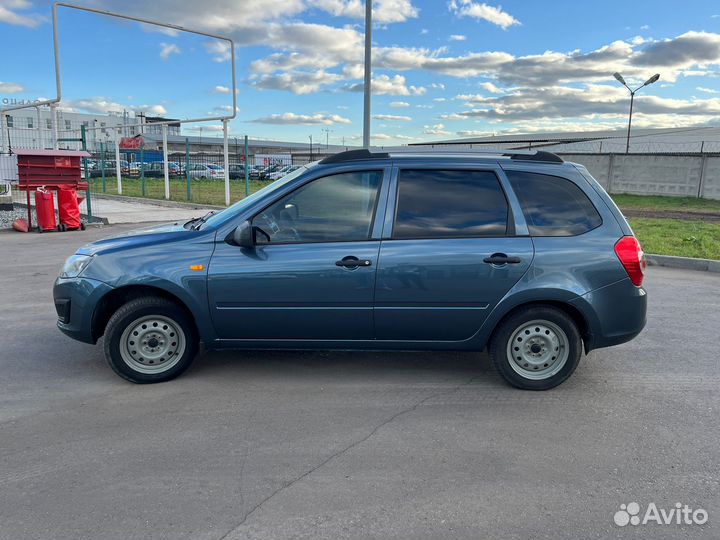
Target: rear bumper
615	314
75	301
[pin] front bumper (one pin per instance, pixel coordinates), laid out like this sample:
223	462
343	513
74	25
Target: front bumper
75	302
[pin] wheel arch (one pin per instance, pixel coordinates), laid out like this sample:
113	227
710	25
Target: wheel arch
580	313
117	297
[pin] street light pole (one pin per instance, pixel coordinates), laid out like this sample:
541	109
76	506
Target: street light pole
621	80
368	73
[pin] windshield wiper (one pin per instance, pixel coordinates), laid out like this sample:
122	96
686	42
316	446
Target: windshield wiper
197	222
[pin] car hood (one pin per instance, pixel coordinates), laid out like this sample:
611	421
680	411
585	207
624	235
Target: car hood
157	234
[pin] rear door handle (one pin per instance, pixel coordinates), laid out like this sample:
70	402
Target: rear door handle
501	258
352	262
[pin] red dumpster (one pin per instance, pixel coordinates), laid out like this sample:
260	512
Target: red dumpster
45	207
69	209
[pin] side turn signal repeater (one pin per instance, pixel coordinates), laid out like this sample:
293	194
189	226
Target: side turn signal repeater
197	267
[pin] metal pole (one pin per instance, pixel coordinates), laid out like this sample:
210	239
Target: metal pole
118	168
2	132
142	168
54	120
102	167
166	170
226	162
632	98
247	168
39	130
87	175
187	169
311	148
368	73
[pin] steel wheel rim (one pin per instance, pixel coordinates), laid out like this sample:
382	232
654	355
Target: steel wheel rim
538	349
152	344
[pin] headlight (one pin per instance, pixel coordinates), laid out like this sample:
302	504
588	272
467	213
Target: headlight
75	265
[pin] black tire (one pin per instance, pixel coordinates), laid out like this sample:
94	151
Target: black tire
511	370
128	315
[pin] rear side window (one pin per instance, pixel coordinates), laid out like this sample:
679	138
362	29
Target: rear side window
449	204
553	206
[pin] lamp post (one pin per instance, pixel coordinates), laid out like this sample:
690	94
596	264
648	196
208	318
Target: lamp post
620	79
367	96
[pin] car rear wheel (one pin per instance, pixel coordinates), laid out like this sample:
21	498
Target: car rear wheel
536	348
150	340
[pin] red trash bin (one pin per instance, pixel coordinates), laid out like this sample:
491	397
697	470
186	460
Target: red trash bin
45	207
69	209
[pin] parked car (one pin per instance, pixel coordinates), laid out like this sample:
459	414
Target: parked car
206	171
277	175
237	171
522	254
255	172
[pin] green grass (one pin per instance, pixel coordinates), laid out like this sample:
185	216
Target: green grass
696	239
203	191
659	203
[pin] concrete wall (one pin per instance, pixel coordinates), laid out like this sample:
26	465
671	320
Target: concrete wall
654	174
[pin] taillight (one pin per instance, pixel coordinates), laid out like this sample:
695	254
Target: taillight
631	255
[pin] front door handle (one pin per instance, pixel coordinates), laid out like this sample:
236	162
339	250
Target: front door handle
501	258
352	262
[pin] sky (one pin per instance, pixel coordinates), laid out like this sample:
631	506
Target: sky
442	69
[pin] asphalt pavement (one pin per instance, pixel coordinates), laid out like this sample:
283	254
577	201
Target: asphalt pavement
274	445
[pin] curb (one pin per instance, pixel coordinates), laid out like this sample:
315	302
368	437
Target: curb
685	263
155	202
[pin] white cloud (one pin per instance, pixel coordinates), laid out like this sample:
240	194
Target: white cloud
392	118
490	87
220	50
101	105
9	13
219	89
399	104
457	37
707	90
437	129
302	119
384	11
386	85
439	99
299	82
491	14
167	49
645	27
11	88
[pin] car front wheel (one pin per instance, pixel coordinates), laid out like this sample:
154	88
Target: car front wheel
150	340
536	348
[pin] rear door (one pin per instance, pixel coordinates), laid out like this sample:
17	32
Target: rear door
449	252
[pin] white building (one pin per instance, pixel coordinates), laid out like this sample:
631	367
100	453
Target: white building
33	128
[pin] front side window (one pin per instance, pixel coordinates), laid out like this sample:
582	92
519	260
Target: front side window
553	206
449	204
336	208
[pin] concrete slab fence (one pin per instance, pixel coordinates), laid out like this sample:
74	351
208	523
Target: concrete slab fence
681	175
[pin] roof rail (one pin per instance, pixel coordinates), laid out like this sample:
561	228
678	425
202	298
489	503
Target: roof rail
364	153
539	155
353	155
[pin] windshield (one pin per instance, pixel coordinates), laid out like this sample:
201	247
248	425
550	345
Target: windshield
230	211
214	167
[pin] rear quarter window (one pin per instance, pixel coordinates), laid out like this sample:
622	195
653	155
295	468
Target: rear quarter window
553	206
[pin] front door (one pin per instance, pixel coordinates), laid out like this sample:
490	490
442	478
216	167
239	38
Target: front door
450	258
312	274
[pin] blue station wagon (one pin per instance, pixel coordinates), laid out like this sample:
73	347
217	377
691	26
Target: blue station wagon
517	253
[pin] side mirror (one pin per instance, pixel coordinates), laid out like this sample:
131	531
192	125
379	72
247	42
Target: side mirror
243	236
